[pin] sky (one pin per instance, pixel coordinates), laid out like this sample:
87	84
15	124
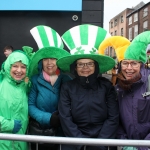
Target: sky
113	7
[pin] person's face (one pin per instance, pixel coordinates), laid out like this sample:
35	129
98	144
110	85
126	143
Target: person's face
49	66
7	52
18	71
85	67
130	68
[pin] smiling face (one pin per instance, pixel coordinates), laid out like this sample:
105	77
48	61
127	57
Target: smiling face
85	67
49	66
130	69
18	71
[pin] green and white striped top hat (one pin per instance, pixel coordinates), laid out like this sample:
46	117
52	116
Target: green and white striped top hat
83	42
50	45
46	37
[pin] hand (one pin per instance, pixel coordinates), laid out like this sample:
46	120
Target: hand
54	120
17	126
129	148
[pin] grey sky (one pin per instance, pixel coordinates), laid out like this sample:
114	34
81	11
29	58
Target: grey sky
114	7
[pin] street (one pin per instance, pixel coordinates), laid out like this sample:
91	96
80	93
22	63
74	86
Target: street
108	76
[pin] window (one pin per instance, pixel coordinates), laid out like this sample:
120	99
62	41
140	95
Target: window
115	22
135	30
116	32
135	17
111	24
130	20
110	51
130	34
114	54
121	31
145	25
145	12
111	33
121	19
106	51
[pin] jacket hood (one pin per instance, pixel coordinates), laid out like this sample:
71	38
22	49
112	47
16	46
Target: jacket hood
89	81
40	65
144	73
14	57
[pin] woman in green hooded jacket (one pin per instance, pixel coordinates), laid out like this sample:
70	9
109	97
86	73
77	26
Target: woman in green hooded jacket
13	99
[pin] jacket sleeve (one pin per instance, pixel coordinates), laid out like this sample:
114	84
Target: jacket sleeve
40	116
66	78
145	148
121	134
147	137
6	125
69	127
110	126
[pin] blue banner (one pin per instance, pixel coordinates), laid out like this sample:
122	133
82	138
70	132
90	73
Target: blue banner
54	5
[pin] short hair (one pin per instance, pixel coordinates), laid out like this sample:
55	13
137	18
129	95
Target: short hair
8	47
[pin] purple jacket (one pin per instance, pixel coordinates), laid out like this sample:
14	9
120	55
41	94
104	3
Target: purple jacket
135	110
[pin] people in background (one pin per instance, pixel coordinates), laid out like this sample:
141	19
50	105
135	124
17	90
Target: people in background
88	106
8	50
13	99
46	80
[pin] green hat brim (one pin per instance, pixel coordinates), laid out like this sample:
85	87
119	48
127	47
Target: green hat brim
46	52
105	63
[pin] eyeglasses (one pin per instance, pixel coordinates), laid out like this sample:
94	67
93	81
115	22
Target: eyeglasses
134	64
89	64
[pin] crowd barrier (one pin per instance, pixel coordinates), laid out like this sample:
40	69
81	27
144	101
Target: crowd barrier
74	141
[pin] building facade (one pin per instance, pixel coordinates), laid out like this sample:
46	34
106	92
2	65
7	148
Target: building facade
117	26
138	21
129	23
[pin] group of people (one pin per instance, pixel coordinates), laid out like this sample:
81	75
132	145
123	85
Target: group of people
46	100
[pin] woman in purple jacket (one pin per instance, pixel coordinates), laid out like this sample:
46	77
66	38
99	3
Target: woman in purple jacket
133	90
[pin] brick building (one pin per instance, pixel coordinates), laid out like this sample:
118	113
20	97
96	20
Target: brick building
129	23
138	21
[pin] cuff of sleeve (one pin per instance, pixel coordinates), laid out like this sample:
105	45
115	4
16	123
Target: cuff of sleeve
46	119
7	125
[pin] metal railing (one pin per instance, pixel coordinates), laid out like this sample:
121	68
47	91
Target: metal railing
74	141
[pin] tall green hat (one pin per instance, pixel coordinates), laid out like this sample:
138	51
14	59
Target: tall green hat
83	41
50	46
137	49
119	43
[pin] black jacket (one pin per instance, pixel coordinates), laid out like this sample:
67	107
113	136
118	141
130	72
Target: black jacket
89	111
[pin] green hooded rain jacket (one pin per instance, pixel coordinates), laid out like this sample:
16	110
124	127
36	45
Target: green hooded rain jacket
13	102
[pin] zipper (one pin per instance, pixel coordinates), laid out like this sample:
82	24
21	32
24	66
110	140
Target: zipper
87	81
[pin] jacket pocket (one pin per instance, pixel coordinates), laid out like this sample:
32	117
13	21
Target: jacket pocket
143	110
